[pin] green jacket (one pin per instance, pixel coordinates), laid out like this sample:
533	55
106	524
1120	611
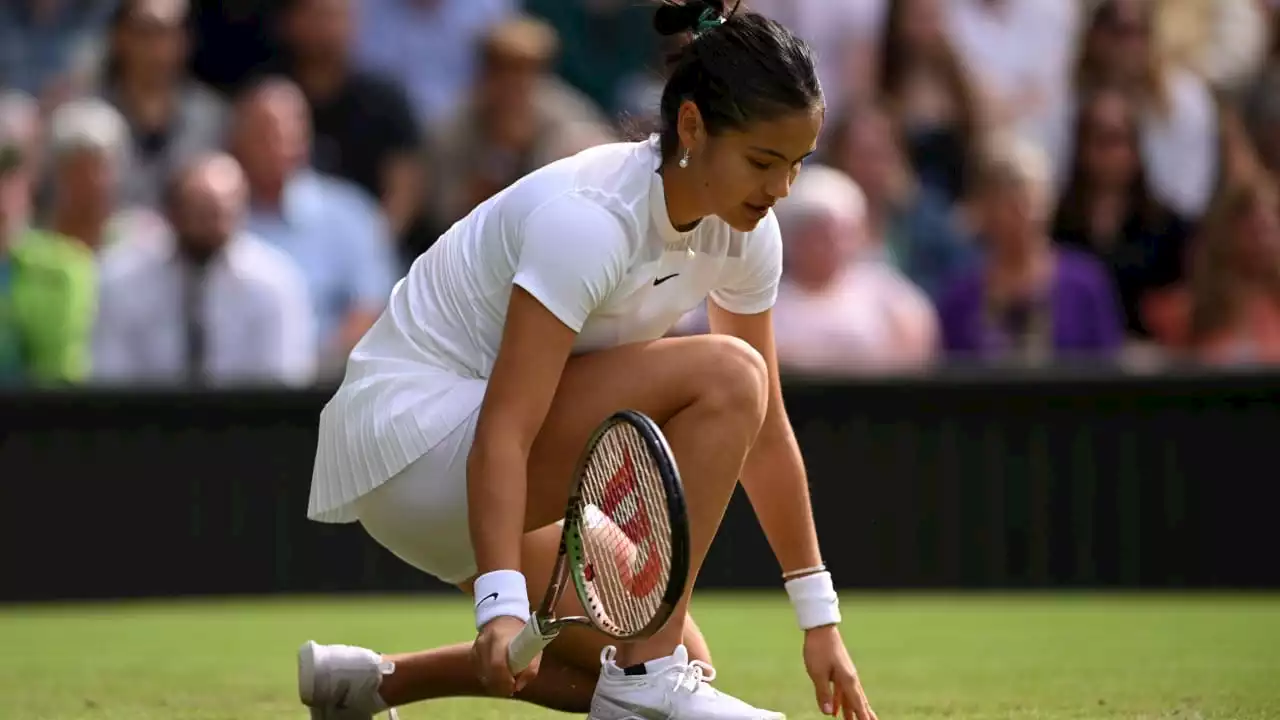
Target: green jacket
48	299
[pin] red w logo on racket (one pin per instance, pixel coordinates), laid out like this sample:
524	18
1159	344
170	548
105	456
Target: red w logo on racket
623	491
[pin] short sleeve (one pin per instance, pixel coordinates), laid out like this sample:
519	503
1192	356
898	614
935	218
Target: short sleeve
751	284
573	254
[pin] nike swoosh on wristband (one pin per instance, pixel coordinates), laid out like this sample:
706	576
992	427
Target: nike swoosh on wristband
490	596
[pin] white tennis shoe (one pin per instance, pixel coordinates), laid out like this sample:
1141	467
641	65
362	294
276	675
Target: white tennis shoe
340	682
671	688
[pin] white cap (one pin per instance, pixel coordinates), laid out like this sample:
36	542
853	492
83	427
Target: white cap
821	191
89	125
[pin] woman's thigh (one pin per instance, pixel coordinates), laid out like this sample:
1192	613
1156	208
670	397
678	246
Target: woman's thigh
658	378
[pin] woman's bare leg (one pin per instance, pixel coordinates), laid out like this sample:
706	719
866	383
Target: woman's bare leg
570	665
708	392
450	672
709	395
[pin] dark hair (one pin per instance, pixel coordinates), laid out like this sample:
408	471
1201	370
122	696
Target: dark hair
124	12
747	69
1089	72
1073	213
1215	281
896	62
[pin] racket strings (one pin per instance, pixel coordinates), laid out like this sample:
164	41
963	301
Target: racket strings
627	531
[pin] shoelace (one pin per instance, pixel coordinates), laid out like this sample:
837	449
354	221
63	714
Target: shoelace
693	675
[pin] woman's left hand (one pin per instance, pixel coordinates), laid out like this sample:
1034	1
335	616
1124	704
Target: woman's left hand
835	679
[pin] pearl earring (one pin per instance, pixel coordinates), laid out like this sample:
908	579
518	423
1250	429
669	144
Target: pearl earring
684	159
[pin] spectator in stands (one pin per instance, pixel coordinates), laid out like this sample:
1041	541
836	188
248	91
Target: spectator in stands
928	90
47	47
428	46
1235	303
1020	53
841	308
215	306
365	129
1108	209
1029	302
89	146
331	228
909	220
171	117
520	117
21	115
47	282
1180	124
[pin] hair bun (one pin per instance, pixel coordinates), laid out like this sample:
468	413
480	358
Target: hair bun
674	18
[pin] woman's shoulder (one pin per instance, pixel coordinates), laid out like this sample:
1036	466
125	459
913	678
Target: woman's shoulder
616	177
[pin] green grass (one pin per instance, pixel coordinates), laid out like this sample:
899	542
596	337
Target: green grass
966	657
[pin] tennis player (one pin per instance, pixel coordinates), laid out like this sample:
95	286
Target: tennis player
454	436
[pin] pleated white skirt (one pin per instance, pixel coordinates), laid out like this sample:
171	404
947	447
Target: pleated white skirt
388	413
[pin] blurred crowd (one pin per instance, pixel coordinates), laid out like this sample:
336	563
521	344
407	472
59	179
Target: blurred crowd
223	193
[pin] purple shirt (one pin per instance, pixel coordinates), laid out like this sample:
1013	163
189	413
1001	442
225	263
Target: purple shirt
1084	313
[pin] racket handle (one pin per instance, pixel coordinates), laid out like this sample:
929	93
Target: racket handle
526	646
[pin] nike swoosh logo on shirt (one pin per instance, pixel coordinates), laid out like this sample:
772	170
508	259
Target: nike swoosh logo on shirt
661	280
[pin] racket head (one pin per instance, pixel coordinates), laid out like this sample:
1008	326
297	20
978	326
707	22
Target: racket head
626	533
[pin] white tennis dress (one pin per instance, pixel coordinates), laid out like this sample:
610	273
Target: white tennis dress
590	238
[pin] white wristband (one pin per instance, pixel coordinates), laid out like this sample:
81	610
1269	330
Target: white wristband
814	599
499	593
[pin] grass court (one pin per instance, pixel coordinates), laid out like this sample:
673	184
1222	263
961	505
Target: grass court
961	657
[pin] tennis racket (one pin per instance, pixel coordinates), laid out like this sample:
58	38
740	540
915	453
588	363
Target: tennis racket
625	542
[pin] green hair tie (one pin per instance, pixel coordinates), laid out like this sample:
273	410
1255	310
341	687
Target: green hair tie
708	20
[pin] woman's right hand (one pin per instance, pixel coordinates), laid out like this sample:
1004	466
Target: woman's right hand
490	655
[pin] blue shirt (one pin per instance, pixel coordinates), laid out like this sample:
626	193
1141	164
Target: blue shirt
340	239
924	243
33	55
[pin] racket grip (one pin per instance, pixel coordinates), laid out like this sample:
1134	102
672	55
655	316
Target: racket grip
525	646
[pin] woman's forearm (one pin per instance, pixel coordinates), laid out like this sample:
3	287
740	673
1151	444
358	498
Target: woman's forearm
778	489
496	495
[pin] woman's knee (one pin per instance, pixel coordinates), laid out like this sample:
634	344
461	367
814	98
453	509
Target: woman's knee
733	379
